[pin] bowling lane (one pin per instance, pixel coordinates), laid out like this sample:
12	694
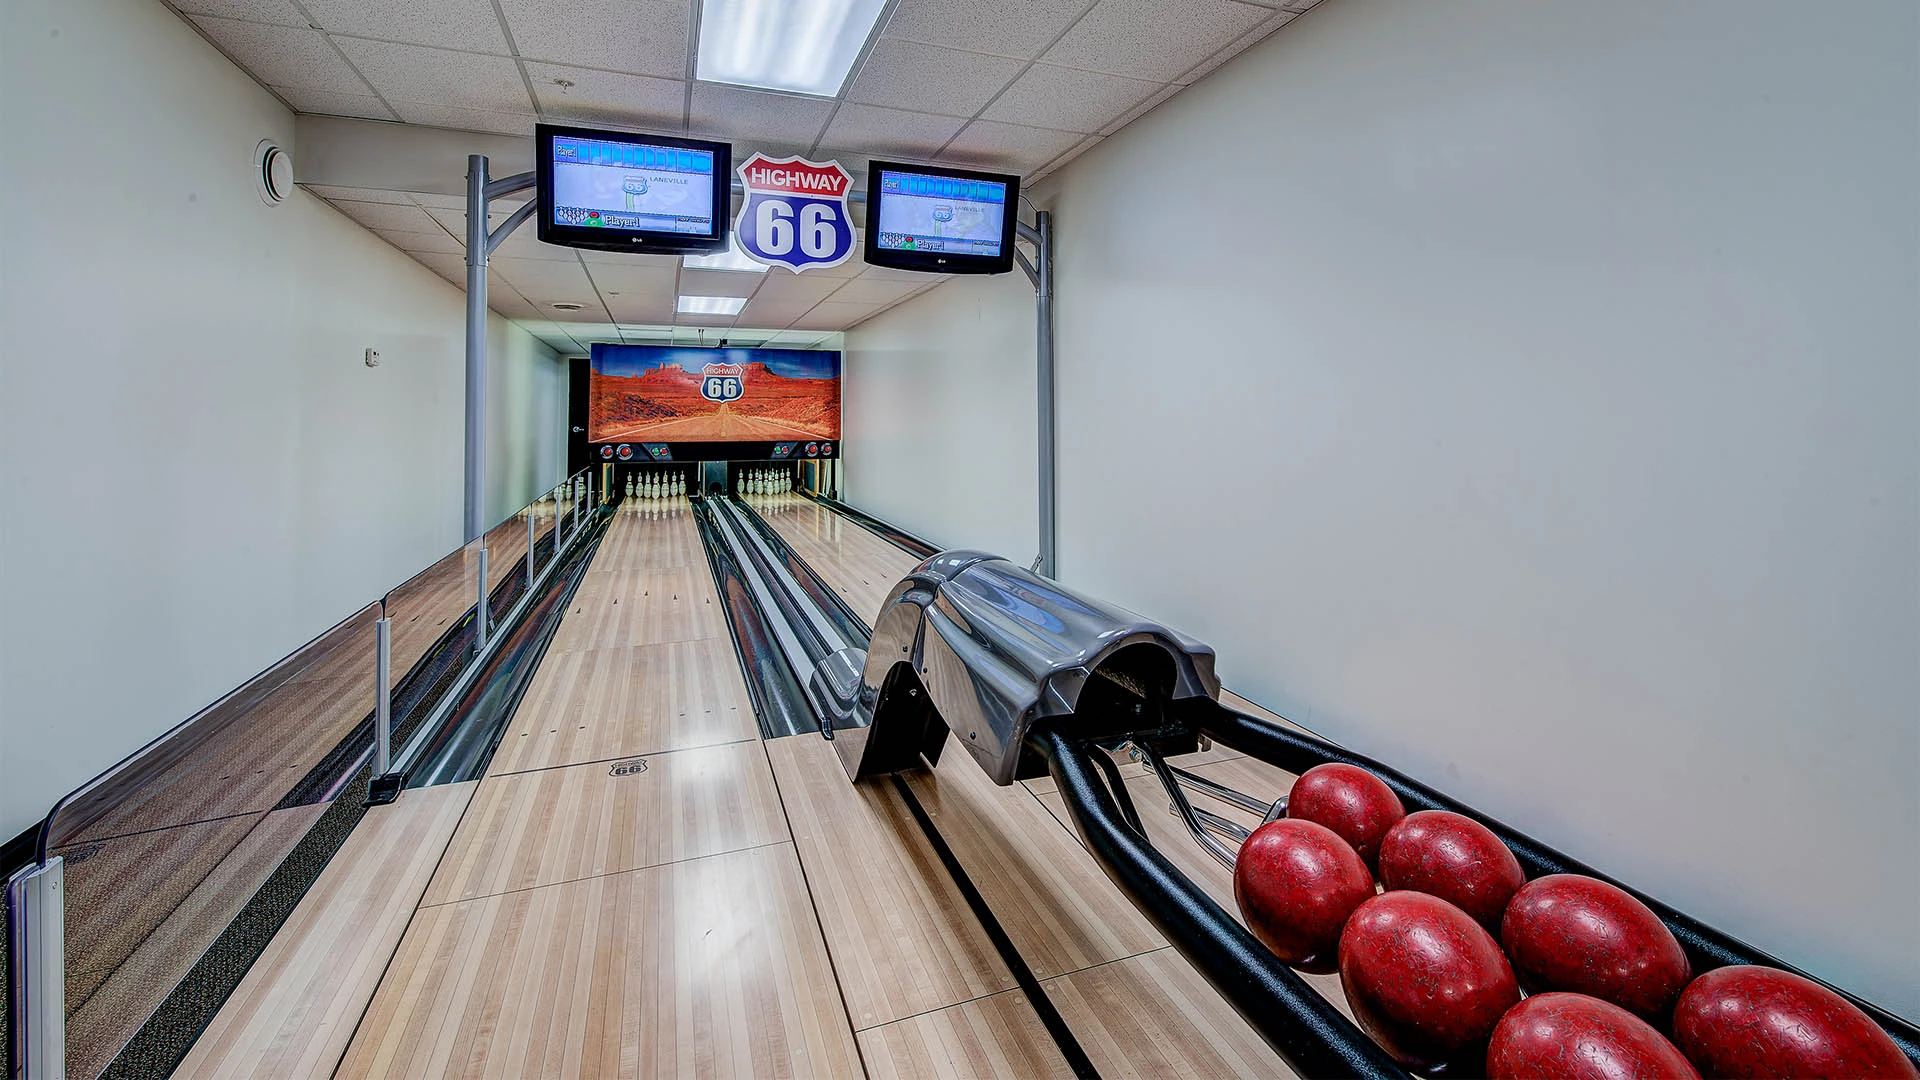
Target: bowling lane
624	896
1135	1005
864	566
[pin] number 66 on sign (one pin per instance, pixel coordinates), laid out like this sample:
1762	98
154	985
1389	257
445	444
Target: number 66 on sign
795	214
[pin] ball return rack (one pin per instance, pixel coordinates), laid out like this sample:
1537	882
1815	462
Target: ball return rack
1033	679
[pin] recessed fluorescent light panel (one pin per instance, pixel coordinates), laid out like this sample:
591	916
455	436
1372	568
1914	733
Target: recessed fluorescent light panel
711	305
799	46
731	259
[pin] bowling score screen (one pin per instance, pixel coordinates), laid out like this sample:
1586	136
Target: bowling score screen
598	183
941	214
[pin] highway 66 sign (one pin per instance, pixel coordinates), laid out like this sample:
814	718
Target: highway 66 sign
795	214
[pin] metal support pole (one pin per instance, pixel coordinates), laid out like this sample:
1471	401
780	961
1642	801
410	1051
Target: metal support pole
532	532
477	248
383	696
37	946
480	610
1044	355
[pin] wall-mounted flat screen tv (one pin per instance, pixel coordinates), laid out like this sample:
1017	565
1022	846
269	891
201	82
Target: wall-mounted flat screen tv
942	221
668	394
613	191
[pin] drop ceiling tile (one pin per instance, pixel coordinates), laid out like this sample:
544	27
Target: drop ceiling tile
1008	147
925	78
874	291
525	244
387	216
624	258
718	283
582	95
1054	166
630	279
642	307
639	37
1068	99
512	304
1259	33
437	241
355	194
455	221
328	103
1151	39
283	55
798	288
451	267
544	281
734	113
1018	28
832	316
773	314
426	76
443	116
889	133
277	12
888	273
1141	109
711	322
449	24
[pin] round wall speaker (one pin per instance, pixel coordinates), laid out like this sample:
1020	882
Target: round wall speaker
273	172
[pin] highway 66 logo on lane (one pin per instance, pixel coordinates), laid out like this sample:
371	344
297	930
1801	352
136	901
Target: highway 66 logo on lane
795	214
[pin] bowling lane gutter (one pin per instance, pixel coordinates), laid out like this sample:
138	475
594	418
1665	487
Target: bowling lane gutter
892	534
809	583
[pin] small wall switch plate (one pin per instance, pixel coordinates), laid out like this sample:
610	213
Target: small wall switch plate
373	357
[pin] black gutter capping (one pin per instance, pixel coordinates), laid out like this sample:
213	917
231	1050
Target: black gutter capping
465	745
899	538
779	701
1297	1022
851	625
1056	1024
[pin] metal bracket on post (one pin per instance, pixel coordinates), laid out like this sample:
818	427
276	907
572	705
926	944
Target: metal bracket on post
37	947
480	243
532	531
383	695
480	610
1040	272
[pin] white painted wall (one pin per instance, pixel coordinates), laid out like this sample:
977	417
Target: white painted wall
197	470
938	409
1539	387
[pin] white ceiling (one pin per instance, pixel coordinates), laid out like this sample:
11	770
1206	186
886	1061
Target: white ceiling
1018	86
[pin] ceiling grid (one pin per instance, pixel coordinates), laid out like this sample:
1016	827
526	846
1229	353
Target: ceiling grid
1021	86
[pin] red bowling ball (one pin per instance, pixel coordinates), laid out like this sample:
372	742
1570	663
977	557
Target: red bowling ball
1424	979
1582	935
1454	858
1575	1037
1754	1021
1296	883
1349	800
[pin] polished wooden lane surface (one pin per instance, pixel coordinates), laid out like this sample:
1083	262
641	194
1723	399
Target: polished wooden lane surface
865	567
600	704
292	1014
712	967
1053	899
1152	1016
591	918
998	1036
553	825
902	937
613	608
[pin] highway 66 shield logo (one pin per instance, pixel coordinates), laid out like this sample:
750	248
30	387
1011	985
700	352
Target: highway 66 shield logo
795	213
722	382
